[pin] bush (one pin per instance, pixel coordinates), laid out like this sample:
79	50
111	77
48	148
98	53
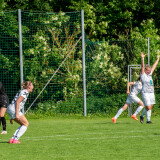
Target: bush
107	106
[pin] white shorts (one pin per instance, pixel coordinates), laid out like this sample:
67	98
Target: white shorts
132	99
12	112
148	99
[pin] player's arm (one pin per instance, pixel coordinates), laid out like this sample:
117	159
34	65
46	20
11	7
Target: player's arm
19	100
142	64
155	64
128	85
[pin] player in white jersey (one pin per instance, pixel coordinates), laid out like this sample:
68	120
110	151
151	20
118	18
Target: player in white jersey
132	98
14	111
147	88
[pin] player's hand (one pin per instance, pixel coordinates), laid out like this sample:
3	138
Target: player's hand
17	117
142	55
128	92
157	57
11	122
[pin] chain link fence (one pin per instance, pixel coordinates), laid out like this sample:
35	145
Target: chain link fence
9	53
47	38
107	71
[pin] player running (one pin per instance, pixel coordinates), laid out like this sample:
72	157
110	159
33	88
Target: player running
14	111
132	98
147	88
4	102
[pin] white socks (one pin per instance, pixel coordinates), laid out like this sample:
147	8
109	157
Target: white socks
148	115
15	133
138	110
119	113
19	132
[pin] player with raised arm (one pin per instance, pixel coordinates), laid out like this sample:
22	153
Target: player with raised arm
14	111
132	98
147	88
4	102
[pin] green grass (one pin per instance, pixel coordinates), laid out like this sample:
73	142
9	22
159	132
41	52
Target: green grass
84	139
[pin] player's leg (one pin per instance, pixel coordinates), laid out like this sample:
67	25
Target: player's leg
149	106
149	100
149	113
146	101
138	110
15	133
3	120
143	114
120	112
20	130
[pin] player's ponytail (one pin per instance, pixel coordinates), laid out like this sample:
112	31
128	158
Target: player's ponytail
25	85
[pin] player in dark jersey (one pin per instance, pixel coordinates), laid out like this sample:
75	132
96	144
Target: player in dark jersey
4	102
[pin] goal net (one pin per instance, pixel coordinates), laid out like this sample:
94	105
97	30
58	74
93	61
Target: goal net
133	75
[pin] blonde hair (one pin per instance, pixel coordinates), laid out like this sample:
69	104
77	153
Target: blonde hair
147	66
26	84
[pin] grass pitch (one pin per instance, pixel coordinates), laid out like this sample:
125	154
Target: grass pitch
84	139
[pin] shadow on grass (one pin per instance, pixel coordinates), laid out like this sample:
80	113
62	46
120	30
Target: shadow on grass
4	142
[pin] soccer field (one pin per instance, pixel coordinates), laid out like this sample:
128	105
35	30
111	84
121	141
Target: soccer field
84	139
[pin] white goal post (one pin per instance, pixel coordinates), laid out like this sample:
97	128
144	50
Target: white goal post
130	68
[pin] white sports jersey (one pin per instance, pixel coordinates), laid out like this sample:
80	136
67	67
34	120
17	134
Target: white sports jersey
147	83
24	93
137	87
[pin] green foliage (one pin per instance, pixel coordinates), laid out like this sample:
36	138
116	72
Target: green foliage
53	36
107	20
49	37
103	67
71	106
106	106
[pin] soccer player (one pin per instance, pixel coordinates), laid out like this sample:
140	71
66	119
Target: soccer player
4	102
15	113
132	98
147	88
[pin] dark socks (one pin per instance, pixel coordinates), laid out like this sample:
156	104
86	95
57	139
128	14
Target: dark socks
3	123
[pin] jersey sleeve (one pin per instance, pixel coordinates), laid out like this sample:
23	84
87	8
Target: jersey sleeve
24	94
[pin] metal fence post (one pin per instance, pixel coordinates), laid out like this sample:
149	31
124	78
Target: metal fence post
20	47
83	63
148	53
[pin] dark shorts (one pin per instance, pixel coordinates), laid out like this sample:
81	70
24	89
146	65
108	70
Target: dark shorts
4	101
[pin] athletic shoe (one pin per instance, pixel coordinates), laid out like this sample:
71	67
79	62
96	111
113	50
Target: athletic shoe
11	140
114	120
141	119
134	117
16	141
149	122
4	132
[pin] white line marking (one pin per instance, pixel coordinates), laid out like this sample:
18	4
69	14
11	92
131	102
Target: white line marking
78	137
90	138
